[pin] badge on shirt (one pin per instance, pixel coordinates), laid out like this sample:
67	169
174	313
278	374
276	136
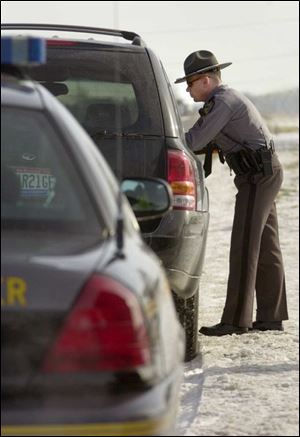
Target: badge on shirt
207	107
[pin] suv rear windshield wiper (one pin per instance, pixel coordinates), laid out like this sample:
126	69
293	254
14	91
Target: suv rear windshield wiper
108	134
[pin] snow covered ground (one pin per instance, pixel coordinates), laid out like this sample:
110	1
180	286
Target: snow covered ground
244	385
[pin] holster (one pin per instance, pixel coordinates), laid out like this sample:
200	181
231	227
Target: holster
248	161
266	159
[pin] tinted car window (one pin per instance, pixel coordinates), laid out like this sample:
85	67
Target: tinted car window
104	90
112	104
39	184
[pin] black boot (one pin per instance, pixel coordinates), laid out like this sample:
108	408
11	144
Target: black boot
267	326
222	329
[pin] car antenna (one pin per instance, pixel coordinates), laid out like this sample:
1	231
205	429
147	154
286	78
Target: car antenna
119	150
120	227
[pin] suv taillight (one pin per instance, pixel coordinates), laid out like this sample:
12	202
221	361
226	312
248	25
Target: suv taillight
104	331
181	177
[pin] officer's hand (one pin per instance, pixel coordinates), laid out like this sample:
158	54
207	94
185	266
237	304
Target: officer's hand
209	147
200	152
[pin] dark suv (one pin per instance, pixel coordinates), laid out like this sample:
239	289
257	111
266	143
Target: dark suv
120	93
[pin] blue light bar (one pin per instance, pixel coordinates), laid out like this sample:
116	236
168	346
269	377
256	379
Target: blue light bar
23	50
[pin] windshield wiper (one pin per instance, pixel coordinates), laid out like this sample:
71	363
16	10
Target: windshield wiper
108	134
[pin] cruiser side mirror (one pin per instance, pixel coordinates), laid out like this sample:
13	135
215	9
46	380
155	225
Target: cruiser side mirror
149	198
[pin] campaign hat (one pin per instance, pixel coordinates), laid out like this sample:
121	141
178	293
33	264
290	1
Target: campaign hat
201	61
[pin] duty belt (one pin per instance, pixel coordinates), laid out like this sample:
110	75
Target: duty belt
248	161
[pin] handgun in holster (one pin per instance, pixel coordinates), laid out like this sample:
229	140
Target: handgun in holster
266	159
233	161
250	159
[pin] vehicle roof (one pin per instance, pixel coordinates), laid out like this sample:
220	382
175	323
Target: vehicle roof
91	42
101	36
24	93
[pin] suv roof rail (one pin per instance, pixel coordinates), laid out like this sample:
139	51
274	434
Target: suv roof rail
131	36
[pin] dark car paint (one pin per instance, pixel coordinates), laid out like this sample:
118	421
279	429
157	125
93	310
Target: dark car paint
179	253
180	236
31	397
35	403
38	260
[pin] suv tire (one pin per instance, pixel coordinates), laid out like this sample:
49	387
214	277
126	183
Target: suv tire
188	311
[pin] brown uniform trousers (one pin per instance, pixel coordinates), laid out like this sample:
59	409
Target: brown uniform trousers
255	255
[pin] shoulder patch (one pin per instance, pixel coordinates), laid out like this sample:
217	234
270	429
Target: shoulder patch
208	106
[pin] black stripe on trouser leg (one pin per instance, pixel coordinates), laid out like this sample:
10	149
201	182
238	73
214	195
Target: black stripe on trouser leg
245	255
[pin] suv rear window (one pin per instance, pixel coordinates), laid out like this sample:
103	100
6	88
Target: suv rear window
106	90
39	185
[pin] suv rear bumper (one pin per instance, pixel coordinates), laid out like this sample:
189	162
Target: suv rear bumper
180	241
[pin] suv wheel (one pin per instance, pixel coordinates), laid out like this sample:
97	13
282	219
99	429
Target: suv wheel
187	310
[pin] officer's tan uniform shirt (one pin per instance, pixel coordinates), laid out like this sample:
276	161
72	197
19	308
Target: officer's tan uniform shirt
232	123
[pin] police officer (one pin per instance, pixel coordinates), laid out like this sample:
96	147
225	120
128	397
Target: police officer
230	123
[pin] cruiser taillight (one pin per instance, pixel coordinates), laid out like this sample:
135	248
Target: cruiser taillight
105	330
